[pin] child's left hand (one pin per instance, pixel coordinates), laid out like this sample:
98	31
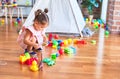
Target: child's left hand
44	44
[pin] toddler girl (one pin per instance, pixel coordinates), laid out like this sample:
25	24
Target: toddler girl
32	37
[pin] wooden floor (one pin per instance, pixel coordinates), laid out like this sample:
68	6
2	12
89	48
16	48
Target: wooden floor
99	61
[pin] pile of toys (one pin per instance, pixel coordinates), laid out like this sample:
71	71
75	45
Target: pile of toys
97	23
62	47
30	61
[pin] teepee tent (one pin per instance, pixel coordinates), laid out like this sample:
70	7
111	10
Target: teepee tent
65	16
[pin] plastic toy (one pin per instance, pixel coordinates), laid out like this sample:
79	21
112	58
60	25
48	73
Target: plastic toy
29	61
65	42
22	59
57	54
61	44
96	27
54	46
46	60
102	25
100	21
50	37
34	66
18	20
2	21
56	36
107	32
75	41
27	55
53	56
58	47
55	42
81	42
51	63
93	41
59	41
61	51
69	41
15	23
73	49
95	24
50	44
106	27
68	50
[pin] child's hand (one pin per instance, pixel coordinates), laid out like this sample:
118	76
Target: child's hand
44	44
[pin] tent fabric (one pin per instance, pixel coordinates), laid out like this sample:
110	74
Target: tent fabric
65	15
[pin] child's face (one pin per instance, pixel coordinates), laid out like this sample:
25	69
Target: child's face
39	26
